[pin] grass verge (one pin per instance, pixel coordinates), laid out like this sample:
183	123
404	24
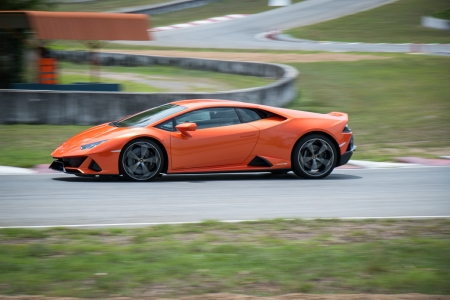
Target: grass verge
29	145
398	22
261	258
162	78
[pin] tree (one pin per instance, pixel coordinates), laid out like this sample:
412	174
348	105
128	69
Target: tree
13	42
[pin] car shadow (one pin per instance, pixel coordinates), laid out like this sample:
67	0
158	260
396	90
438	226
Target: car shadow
199	178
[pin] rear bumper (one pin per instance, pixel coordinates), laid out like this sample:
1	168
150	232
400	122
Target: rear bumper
348	154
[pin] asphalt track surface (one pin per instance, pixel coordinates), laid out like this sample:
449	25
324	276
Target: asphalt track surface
54	200
249	32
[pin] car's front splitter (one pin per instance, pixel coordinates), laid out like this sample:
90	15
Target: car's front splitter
92	164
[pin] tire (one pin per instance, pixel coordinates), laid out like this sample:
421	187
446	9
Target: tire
314	157
141	160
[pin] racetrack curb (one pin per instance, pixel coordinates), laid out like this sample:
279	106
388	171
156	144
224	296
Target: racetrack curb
199	22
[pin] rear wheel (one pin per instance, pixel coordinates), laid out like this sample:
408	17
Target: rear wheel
141	160
314	157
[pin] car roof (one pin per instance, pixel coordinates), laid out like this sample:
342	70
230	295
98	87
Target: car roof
193	104
200	103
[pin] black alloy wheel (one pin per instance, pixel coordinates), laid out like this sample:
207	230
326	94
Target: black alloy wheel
141	160
314	157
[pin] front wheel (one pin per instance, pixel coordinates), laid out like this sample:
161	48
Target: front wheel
141	160
314	157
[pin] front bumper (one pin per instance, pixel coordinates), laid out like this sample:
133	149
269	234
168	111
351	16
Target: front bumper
348	154
68	165
91	164
57	166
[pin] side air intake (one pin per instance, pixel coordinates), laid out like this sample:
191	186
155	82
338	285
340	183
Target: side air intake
259	162
73	162
94	166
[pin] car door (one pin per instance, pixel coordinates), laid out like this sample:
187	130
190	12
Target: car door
220	139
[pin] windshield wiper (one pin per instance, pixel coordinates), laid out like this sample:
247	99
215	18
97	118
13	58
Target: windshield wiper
113	124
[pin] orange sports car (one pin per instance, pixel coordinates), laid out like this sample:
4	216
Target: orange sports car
210	136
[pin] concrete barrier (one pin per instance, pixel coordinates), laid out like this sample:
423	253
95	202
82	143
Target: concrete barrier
435	23
87	108
162	8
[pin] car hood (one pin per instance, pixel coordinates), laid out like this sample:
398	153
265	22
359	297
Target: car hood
94	134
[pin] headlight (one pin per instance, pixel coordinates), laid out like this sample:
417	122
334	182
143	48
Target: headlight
91	145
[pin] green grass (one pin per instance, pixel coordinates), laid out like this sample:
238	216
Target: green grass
398	22
397	107
443	14
261	258
28	145
104	5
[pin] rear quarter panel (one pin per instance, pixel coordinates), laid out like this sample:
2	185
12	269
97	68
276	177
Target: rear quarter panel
277	139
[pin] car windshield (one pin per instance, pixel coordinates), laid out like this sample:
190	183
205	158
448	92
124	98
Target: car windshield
149	116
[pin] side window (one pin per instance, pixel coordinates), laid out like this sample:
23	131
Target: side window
194	117
248	115
210	117
167	125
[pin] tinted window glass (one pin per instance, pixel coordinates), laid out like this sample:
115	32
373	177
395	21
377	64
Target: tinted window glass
248	115
168	125
210	117
149	116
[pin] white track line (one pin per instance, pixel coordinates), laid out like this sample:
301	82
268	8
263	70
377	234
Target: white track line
6	170
221	221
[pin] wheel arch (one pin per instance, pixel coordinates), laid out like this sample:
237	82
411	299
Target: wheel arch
161	146
333	140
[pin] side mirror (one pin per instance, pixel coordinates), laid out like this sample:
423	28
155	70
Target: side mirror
184	127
